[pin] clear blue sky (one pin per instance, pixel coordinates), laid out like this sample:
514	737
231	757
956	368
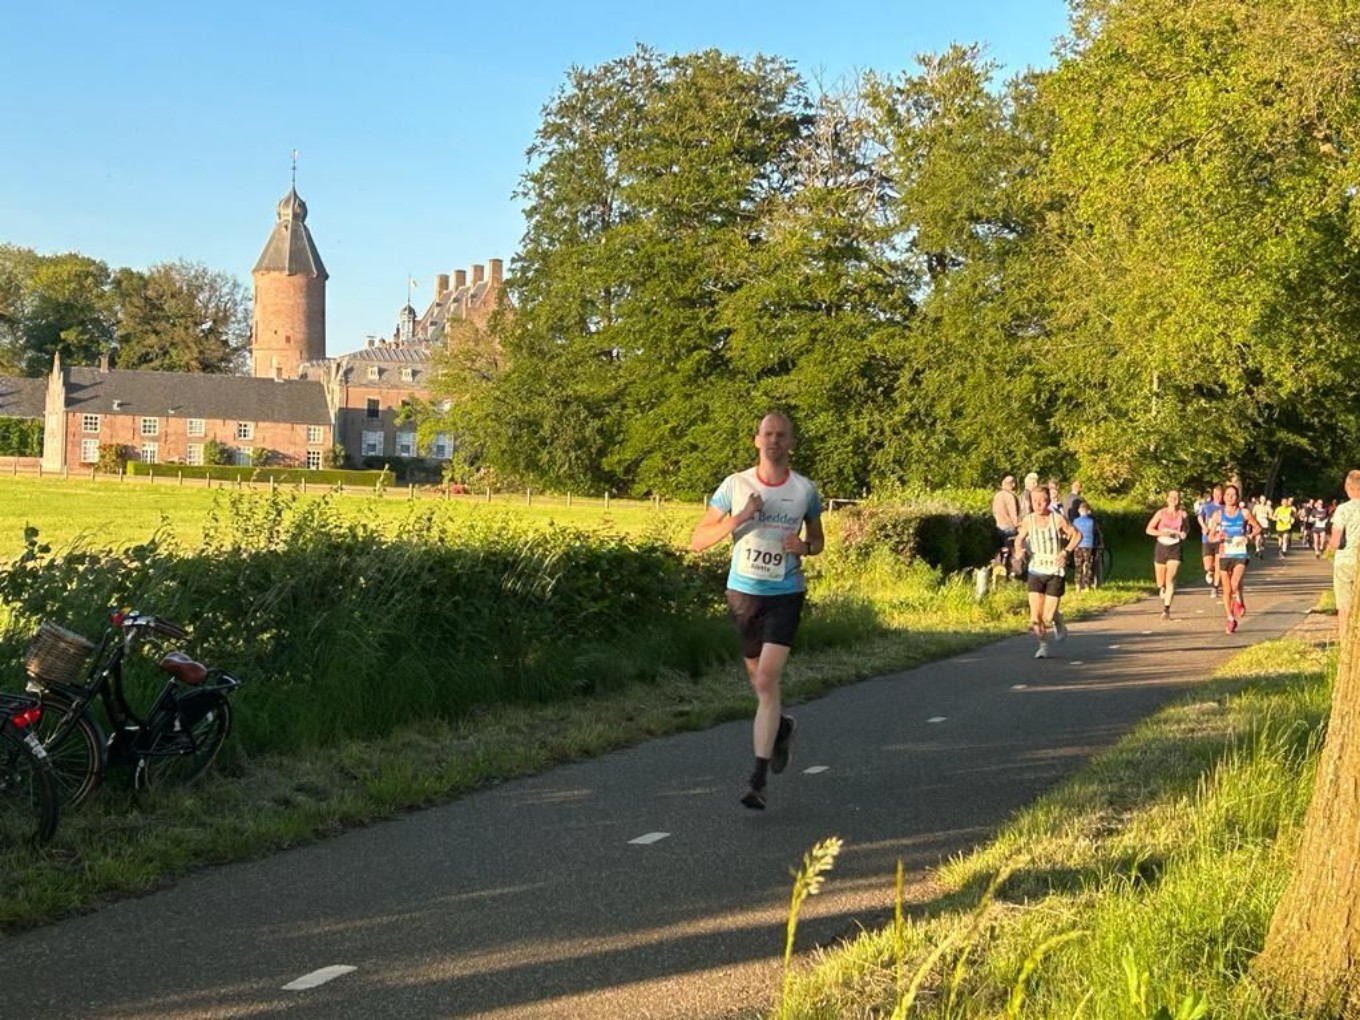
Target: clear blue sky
151	131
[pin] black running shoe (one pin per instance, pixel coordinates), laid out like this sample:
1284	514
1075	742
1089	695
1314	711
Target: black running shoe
781	756
753	799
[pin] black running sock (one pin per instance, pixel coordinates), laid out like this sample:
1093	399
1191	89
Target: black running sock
758	776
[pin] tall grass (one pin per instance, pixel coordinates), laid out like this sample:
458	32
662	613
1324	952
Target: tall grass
1140	889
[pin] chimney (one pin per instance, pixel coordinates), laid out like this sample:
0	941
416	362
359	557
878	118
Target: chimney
459	279
441	285
496	269
104	363
478	273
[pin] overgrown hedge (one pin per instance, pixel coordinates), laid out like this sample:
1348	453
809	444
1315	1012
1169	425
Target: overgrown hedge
952	540
21	437
343	631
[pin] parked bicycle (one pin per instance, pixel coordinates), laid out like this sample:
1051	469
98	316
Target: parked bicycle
174	743
29	803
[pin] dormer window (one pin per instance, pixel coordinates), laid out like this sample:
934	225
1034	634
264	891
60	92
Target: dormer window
408	374
374	372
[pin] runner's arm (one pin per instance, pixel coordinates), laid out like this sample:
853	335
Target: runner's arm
718	524
812	543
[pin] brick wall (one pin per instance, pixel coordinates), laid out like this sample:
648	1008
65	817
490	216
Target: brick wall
287	440
289	323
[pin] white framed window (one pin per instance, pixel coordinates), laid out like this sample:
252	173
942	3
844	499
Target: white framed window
197	427
151	426
89	451
406	444
372	444
150	453
408	374
89	423
313	460
316	434
193	454
245	430
374	372
441	448
242	456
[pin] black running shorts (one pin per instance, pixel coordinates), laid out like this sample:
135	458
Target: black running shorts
1208	549
764	619
1053	585
1167	553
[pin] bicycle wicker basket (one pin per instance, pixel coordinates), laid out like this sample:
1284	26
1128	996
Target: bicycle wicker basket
57	655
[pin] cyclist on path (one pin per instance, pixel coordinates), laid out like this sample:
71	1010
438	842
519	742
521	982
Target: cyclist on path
773	515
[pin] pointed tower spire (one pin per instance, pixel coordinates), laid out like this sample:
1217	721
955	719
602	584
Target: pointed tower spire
290	294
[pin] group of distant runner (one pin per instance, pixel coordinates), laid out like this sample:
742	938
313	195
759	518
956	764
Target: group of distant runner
773	516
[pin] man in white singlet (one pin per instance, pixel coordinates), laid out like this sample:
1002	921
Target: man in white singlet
774	516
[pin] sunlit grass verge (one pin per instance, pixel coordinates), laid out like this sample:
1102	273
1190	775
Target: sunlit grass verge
1141	888
119	845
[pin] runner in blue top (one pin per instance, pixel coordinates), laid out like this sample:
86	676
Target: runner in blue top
1233	528
1208	546
774	516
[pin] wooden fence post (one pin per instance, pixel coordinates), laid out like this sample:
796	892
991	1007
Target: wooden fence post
606	499
528	497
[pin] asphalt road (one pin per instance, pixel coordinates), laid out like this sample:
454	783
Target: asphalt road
635	885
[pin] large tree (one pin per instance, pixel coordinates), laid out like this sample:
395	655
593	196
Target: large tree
1200	255
50	304
181	317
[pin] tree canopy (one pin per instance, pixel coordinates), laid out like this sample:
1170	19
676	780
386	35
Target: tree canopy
1135	267
175	316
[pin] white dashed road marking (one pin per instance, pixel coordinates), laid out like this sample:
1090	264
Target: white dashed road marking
936	718
317	977
651	837
1019	687
1116	647
812	770
1078	662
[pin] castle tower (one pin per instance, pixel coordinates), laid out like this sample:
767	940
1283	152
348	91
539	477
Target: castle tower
289	324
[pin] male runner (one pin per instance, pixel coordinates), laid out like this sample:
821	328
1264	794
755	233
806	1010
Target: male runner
774	516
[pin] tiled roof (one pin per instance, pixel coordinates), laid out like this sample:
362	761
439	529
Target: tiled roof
21	397
290	248
196	395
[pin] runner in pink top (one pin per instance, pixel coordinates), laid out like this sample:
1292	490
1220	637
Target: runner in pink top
1169	526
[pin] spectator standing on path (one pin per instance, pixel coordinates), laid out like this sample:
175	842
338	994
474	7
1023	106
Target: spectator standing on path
1233	529
1169	526
1046	540
1027	494
1207	544
1071	503
1006	514
1085	553
1345	545
774	516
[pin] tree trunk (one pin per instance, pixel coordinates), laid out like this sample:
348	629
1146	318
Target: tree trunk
1311	959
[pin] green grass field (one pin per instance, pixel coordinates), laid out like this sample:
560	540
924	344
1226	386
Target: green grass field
113	513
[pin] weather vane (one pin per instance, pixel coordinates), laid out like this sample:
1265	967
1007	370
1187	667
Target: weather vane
295	168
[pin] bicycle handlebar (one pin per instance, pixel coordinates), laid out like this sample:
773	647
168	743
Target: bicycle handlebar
130	619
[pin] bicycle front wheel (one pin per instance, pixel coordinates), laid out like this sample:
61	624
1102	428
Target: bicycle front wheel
1104	565
185	748
77	759
29	807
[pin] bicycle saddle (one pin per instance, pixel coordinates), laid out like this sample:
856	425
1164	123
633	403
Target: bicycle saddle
184	669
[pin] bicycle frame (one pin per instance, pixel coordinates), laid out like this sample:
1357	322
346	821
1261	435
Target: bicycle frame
124	742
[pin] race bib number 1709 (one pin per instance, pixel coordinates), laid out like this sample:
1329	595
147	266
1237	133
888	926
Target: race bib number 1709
761	557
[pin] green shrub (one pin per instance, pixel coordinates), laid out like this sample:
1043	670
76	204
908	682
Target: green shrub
939	536
21	437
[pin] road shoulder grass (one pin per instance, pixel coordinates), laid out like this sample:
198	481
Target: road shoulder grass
1145	883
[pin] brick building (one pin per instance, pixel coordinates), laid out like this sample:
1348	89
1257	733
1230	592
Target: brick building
170	417
297	404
